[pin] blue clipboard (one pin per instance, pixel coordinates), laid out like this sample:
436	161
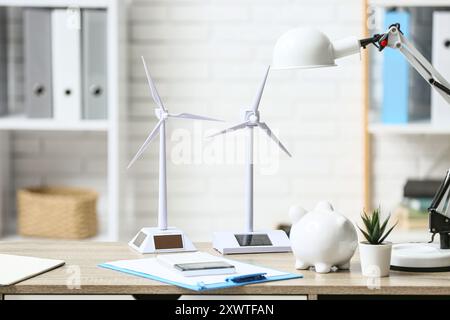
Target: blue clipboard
229	282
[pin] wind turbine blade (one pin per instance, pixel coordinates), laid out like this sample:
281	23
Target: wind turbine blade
192	116
233	128
259	94
152	86
147	141
269	132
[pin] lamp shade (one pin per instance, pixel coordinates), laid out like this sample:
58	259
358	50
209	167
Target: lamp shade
303	48
310	48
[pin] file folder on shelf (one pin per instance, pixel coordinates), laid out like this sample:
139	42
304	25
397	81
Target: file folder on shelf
5	179
94	64
66	55
419	90
395	75
440	109
151	268
3	67
37	63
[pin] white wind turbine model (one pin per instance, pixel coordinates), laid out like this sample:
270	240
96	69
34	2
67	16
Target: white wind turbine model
250	241
162	238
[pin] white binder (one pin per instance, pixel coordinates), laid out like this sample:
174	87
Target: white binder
66	56
440	109
37	62
3	63
94	35
5	179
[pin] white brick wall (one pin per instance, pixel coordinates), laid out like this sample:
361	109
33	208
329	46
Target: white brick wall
207	56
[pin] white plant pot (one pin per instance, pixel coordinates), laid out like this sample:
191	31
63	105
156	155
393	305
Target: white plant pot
375	259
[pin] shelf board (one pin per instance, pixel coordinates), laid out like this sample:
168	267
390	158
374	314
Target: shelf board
408	129
16	238
409	3
56	3
15	122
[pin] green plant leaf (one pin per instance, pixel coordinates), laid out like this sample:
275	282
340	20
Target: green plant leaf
365	234
376	228
367	223
365	215
388	232
375	218
383	226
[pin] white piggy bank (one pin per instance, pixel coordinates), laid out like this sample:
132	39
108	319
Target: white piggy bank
322	238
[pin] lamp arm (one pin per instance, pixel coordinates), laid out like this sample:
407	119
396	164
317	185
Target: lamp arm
421	64
438	220
395	39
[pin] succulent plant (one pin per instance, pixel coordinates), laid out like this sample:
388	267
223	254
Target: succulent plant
375	232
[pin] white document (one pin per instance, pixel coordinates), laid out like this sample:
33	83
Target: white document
66	69
440	109
14	269
153	267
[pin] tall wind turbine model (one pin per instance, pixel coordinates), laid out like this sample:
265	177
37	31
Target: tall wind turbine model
250	241
162	238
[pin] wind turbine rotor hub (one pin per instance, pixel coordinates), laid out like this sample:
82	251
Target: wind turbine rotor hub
161	114
252	117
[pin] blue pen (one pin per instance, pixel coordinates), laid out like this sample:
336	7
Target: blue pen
248	277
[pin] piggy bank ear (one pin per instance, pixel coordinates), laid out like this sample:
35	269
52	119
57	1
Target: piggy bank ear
296	213
324	206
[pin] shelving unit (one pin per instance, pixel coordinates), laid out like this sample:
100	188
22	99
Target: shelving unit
20	122
372	129
407	129
408	3
114	126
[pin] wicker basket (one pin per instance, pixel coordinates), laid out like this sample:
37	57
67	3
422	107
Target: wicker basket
57	212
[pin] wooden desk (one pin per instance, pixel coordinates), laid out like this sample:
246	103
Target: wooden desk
82	259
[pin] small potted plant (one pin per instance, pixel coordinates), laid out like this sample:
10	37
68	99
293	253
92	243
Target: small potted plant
375	253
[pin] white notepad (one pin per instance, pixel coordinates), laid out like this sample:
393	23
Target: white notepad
190	257
14	269
171	260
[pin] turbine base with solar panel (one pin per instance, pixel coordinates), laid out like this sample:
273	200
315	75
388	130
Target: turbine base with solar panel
251	241
161	238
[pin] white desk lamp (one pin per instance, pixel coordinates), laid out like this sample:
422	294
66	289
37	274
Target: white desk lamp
309	48
251	241
162	238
